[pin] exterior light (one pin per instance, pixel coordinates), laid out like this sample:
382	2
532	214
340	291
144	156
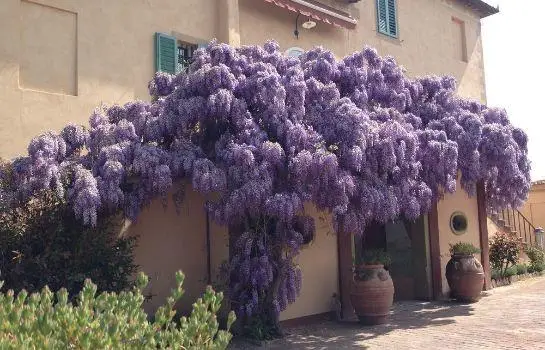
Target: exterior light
309	24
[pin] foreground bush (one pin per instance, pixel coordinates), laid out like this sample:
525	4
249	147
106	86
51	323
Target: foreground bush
537	258
108	321
504	251
42	243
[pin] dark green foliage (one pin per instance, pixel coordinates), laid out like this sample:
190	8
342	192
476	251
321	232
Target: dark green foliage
537	258
373	257
42	243
510	271
504	251
463	248
495	274
108	320
522	269
538	267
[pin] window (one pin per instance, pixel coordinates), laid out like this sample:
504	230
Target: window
387	17
459	39
172	55
185	55
458	223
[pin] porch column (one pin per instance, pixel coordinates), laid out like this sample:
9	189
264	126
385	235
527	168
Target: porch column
228	22
483	234
344	246
435	253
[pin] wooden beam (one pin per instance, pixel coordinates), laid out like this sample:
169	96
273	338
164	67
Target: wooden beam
344	250
435	252
483	234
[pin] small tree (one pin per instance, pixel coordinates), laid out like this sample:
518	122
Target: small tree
504	251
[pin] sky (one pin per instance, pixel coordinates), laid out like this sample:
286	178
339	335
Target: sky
514	57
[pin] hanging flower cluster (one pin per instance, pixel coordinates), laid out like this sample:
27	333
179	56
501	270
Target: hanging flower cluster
266	132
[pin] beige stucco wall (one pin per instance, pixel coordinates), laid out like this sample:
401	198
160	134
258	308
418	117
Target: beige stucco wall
111	61
168	242
426	43
320	270
112	58
534	207
458	201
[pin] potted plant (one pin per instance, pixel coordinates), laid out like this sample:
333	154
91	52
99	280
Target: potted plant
372	291
465	274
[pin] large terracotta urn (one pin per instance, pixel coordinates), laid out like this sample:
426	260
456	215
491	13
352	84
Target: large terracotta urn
372	294
465	277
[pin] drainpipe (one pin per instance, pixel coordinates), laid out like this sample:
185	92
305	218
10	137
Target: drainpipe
208	250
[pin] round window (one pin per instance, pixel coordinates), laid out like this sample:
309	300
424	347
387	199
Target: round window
458	223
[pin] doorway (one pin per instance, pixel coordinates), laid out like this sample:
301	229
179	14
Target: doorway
407	242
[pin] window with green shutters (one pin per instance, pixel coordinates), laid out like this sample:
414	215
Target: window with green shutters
166	53
387	17
173	55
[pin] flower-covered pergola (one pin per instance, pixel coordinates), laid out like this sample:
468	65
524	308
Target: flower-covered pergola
356	137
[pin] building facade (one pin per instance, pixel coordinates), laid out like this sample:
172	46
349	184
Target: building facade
59	59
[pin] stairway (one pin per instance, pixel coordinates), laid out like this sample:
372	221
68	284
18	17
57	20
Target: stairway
513	221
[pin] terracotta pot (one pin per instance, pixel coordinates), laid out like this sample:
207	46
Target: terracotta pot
465	277
372	294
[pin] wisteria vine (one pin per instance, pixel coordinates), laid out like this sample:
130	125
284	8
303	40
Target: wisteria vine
356	137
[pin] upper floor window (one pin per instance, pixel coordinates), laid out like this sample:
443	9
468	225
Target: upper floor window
185	55
172	55
459	39
387	17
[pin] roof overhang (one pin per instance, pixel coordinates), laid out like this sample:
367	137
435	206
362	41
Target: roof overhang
481	7
318	11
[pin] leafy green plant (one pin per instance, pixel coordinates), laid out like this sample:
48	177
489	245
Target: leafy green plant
504	251
537	267
510	271
373	257
463	248
42	243
108	321
537	258
495	274
522	269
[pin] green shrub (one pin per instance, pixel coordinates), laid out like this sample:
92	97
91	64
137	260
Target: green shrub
108	321
495	274
463	248
510	271
537	267
537	258
522	269
535	254
42	243
504	251
373	257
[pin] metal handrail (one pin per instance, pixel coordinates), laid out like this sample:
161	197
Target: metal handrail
520	223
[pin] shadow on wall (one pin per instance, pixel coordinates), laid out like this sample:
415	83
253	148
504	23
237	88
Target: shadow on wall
348	335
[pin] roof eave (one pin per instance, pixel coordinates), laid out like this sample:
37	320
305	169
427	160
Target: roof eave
482	7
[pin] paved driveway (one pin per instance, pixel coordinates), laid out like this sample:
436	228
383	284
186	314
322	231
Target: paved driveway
511	317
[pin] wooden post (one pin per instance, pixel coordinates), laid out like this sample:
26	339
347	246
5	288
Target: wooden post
435	252
344	249
483	234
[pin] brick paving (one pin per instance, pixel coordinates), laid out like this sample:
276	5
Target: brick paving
511	317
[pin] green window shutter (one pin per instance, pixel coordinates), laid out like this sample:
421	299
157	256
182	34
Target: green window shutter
382	16
387	17
392	18
165	53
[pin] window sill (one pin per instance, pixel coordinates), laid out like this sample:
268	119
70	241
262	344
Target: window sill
389	38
